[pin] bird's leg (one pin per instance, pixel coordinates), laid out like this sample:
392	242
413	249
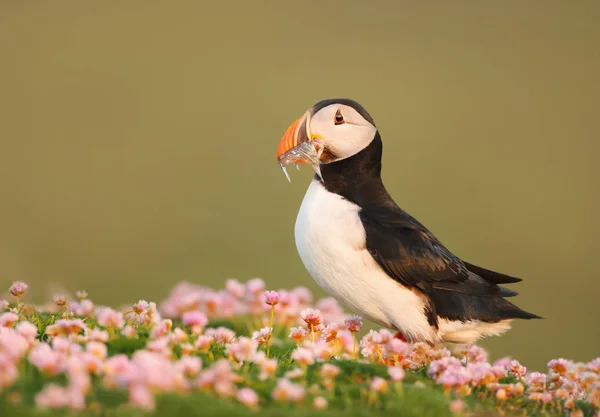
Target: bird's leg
400	336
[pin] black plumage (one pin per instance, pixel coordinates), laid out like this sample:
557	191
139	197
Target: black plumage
409	253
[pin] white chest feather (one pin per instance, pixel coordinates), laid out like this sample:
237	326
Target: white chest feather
331	242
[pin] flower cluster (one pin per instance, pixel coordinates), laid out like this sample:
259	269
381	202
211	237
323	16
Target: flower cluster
186	345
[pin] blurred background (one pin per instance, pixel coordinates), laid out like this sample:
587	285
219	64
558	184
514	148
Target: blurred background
138	143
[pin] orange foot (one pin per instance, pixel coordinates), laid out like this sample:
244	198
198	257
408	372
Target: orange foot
400	336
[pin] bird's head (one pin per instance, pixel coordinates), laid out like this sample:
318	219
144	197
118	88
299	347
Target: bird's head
329	131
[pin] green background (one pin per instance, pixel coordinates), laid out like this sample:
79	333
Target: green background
138	142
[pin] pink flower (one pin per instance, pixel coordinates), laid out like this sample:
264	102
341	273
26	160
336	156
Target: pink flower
203	342
194	319
297	334
97	349
110	318
52	396
162	329
46	360
476	354
379	385
18	288
560	366
8	319
140	307
221	334
27	330
537	380
243	350
267	368
517	369
329	371
397	347
295	373
13	346
288	391
8	372
457	406
594	365
272	298
354	323
235	288
303	356
141	397
303	294
247	397
320	403
64	327
84	308
262	336
4	305
129	332
330	333
255	286
313	319
371	343
60	300
190	366
396	373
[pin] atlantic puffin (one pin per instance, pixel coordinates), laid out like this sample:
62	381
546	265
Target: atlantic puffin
372	256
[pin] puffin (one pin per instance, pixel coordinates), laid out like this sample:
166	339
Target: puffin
370	254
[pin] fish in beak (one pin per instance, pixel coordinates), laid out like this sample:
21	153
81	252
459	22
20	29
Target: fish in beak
300	146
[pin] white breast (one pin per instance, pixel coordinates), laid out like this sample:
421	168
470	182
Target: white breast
331	242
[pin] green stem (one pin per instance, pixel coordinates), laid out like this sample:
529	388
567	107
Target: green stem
271	328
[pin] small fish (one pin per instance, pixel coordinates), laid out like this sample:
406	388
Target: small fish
309	151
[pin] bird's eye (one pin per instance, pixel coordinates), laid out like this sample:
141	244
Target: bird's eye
338	119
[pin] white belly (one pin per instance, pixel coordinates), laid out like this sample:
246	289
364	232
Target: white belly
331	242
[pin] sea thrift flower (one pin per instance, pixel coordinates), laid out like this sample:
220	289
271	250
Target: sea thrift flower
248	397
27	330
140	307
297	334
46	360
129	332
329	371
396	373
560	366
52	396
97	349
255	286
204	342
268	367
295	373
313	319
303	356
190	366
81	295
517	369
272	298
18	288
235	288
457	406
594	365
110	318
262	336
60	300
243	350
354	323
8	319
303	295
141	397
320	403
379	385
84	308
221	334
288	391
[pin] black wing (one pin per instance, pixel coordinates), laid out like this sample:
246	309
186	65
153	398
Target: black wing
413	256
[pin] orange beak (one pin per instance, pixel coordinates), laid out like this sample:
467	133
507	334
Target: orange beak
290	138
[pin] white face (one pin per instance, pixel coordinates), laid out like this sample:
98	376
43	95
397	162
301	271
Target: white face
344	131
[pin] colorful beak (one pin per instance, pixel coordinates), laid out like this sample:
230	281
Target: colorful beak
298	132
